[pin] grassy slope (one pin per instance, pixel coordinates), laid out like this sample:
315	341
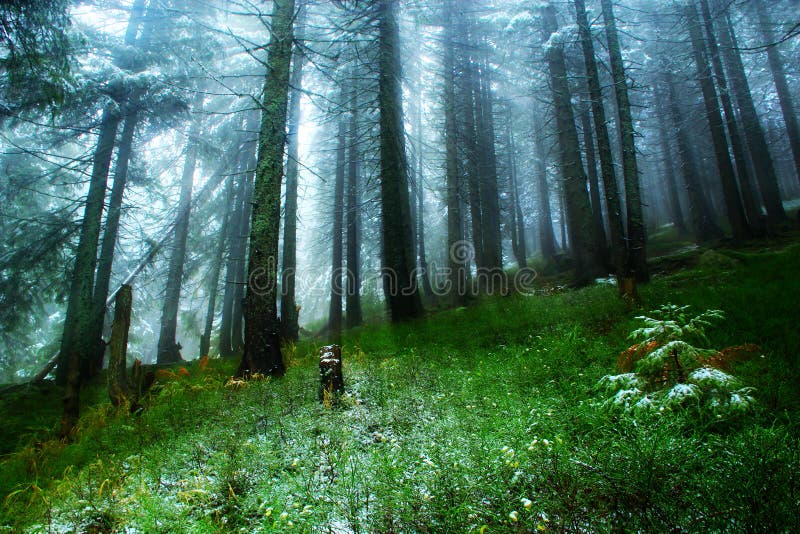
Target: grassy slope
451	424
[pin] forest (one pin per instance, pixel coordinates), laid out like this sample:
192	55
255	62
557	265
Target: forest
352	266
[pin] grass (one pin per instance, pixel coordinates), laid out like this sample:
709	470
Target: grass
484	419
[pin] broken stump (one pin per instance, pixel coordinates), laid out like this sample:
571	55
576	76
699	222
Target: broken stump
330	373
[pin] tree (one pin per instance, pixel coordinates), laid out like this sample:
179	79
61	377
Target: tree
779	78
335	312
636	263
168	347
754	132
457	272
353	221
612	196
733	203
262	351
289	309
400	287
577	206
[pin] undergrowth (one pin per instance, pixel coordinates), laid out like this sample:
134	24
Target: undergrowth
484	418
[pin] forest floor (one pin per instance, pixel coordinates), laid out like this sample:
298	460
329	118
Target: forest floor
479	419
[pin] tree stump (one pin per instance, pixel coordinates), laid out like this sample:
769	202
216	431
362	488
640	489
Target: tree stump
330	373
118	346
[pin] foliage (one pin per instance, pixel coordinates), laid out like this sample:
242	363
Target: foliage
478	417
671	373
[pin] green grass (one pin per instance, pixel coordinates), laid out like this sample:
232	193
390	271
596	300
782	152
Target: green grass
450	424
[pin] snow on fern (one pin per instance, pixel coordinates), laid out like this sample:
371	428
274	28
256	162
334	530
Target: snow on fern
671	372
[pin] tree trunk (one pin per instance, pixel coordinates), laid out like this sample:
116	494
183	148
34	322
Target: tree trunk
594	187
289	309
168	347
77	341
517	220
547	237
578	207
487	161
400	287
216	268
111	231
636	264
353	220
753	131
781	84
457	275
675	212
248	167
335	311
118	347
751	206
610	187
262	351
733	203
700	214
235	254
330	374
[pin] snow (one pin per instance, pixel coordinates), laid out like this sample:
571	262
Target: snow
708	376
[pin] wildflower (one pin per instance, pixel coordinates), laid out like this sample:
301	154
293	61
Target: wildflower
527	503
514	516
295	462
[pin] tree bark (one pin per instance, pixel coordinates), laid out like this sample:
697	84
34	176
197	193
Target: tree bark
77	341
457	271
216	269
733	203
168	347
751	206
702	221
353	221
335	310
594	187
547	237
262	351
578	207
289	308
636	263
781	84
517	220
675	212
610	187
400	287
118	347
754	132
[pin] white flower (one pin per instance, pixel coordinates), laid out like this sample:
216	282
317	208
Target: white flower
514	516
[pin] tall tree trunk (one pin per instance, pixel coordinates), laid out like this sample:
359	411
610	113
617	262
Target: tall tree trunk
335	311
751	206
487	161
610	187
547	237
262	351
578	207
700	214
753	131
457	275
594	187
109	243
168	347
781	84
216	268
248	167
518	243
674	204
353	219
474	182
235	254
636	264
733	203
76	342
400	286
289	309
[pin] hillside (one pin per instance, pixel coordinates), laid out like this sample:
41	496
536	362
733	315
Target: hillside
480	419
